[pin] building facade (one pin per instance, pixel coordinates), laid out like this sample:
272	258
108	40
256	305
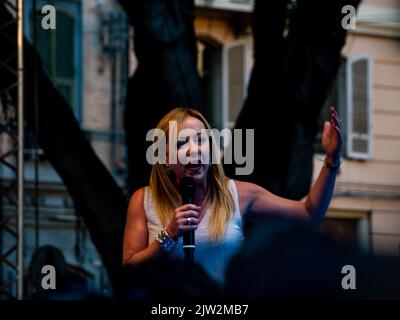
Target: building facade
88	59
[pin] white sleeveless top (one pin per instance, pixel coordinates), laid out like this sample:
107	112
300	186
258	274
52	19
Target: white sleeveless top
213	256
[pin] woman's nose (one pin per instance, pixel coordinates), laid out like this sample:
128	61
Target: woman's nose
193	149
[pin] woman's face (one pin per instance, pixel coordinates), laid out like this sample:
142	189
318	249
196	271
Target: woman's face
192	150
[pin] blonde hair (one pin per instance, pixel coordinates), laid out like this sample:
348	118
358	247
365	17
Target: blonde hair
165	195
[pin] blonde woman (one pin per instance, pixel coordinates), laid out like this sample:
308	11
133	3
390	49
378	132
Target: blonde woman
156	219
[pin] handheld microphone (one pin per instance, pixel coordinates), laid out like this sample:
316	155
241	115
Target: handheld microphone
188	190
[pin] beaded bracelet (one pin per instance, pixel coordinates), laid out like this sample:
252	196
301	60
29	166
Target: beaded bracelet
332	166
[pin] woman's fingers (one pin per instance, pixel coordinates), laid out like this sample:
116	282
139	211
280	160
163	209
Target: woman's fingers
189	227
185	221
336	127
338	131
187	207
337	121
335	117
186	218
188	214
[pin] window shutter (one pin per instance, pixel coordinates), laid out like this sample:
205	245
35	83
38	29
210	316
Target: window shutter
56	48
43	44
65	58
234	80
359	107
65	45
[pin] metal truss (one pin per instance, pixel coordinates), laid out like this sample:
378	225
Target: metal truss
11	156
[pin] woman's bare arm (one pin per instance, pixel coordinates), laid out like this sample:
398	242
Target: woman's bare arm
258	203
136	248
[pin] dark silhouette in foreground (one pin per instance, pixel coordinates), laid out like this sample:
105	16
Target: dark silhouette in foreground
294	259
281	259
165	279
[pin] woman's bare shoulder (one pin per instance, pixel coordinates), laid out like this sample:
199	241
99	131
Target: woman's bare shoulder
136	202
246	193
246	188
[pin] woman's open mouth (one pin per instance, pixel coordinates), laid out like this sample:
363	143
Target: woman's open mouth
194	168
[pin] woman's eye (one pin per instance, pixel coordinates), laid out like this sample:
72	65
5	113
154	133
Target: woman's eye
180	144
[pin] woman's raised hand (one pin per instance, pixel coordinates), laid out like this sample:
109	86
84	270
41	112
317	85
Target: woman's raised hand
332	136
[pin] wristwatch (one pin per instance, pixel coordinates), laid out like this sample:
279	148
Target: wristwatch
165	241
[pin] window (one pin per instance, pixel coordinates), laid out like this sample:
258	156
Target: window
359	107
351	228
210	70
234	80
60	49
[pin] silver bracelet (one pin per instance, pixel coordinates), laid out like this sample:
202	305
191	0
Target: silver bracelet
165	241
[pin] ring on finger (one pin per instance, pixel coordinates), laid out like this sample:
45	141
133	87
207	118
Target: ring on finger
189	221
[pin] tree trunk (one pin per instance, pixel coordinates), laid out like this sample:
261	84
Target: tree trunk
166	77
289	83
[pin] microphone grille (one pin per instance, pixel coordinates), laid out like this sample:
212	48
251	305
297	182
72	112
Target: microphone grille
188	186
